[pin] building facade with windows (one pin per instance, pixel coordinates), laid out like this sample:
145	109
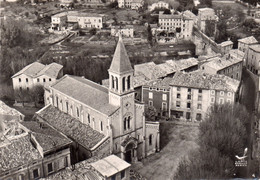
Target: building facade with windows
87	20
158	5
205	14
192	94
36	74
244	43
125	31
179	24
111	112
229	65
34	151
133	4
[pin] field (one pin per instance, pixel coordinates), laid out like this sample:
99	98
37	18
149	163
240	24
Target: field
176	142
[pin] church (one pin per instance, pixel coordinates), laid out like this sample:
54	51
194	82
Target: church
100	120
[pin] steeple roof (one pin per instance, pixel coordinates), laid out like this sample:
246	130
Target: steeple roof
120	62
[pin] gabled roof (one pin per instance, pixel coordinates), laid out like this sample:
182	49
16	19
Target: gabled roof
87	92
120	63
248	40
70	126
37	69
51	70
226	43
110	165
255	47
47	137
31	69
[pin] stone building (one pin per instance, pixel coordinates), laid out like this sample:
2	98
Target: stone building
115	121
180	25
36	74
243	44
229	65
205	14
125	31
192	94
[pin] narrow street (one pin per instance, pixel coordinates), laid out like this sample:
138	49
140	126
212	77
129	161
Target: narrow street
248	98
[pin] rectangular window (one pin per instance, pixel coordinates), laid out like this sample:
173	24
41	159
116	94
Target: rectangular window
199	106
150	103
101	126
49	79
200	91
150	95
20	80
221	93
188	96
35	173
164	97
199	97
122	174
38	80
188	105
26	79
178	95
113	177
178	104
50	167
164	106
187	115
189	89
212	92
178	89
212	100
44	80
221	101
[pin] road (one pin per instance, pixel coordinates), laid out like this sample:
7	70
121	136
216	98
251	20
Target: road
248	98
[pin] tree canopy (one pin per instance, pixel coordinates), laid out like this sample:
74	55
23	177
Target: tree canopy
222	136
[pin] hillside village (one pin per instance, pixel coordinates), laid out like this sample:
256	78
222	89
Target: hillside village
129	89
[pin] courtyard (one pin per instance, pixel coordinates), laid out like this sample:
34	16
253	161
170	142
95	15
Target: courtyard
176	141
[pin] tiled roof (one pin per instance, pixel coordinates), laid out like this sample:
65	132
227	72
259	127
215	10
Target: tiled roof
150	70
170	16
37	69
51	70
160	83
83	171
219	63
139	79
255	47
205	81
17	153
87	92
189	14
6	110
47	137
110	165
248	40
31	69
120	62
71	127
182	64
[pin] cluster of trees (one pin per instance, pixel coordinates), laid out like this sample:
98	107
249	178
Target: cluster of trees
36	95
19	46
252	2
222	136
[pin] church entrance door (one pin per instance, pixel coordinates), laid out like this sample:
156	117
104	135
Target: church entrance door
128	156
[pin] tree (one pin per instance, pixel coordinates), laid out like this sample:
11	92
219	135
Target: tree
222	136
207	3
150	113
210	28
113	4
250	24
167	11
37	94
93	31
149	35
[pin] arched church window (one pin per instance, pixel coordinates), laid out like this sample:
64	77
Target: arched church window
101	126
67	107
150	139
125	121
57	101
113	81
128	82
88	118
123	84
116	83
128	122
77	112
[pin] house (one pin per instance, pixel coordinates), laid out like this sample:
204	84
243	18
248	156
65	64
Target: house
158	5
252	59
66	3
244	43
90	20
179	25
225	47
132	4
137	4
102	120
35	74
192	94
229	65
205	14
126	30
110	167
34	151
58	21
